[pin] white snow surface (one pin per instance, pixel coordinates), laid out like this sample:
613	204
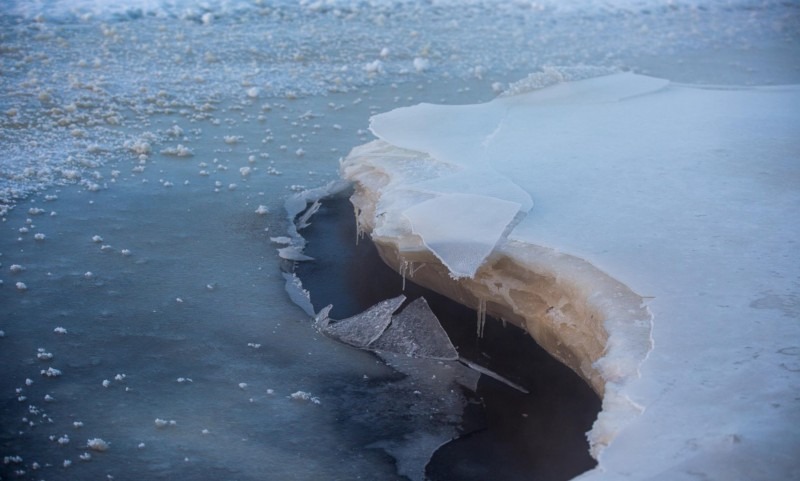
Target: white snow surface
689	195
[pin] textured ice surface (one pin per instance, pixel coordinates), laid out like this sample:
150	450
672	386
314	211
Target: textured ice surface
669	189
416	332
363	329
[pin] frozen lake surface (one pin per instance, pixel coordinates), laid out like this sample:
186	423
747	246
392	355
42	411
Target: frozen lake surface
146	154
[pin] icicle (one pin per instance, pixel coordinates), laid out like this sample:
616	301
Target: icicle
493	375
481	317
359	228
403	269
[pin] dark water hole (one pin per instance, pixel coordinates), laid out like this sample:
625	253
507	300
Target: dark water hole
507	435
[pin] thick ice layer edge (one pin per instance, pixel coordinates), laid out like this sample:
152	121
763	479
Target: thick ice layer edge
589	321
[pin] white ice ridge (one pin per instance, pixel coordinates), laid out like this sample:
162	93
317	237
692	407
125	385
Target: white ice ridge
686	195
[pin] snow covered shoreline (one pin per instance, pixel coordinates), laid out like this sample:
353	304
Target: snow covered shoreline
678	192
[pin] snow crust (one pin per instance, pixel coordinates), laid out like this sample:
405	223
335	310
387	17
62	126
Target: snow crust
685	195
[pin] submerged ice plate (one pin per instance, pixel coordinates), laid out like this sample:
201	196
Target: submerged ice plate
682	194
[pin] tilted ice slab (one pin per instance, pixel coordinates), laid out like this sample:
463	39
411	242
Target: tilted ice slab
685	195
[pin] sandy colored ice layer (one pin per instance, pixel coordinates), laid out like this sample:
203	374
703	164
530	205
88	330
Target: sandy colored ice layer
678	193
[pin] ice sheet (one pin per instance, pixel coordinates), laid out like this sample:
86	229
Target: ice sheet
688	196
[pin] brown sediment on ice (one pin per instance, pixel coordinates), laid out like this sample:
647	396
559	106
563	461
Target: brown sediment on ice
583	317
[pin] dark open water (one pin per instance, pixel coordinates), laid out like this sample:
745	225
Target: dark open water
507	435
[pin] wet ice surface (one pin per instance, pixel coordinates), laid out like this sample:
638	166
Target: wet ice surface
162	138
159	299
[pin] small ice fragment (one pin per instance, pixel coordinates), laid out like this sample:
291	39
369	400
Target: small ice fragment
63	440
88	274
49	398
16	268
242	385
77	424
60	330
125	252
51	372
300	152
281	240
160	423
253	345
245	171
97	444
28	382
304	396
39	236
270	391
205	431
97	239
374	67
120	377
2	333
421	64
141	446
179	300
184	379
178	151
67	463
262	210
106	383
85	457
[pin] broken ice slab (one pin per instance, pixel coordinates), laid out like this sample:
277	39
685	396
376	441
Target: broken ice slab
298	295
416	332
461	229
362	329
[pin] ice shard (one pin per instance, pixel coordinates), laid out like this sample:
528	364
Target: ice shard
416	332
363	329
